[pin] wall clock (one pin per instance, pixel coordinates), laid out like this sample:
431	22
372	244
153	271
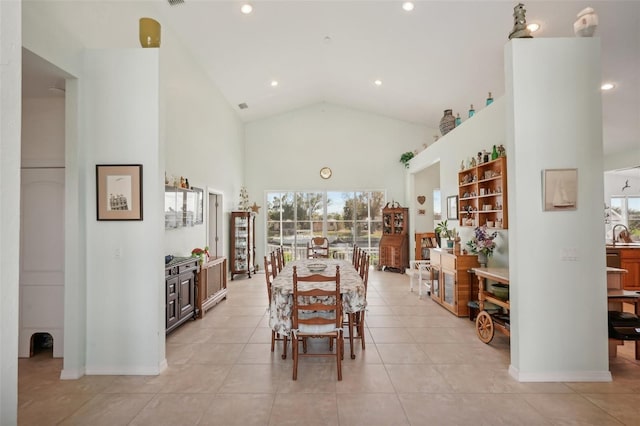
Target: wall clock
325	173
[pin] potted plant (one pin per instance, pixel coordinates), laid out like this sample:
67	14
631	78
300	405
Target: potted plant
404	158
442	231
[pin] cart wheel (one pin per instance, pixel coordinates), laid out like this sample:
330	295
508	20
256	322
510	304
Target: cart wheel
484	327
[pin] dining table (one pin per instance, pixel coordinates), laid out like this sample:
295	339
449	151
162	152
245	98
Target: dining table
352	289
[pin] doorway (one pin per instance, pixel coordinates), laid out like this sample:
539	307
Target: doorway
214	223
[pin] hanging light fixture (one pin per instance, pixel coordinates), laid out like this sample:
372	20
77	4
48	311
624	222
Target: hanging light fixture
149	32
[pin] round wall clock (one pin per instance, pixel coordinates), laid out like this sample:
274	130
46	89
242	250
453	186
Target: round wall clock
325	173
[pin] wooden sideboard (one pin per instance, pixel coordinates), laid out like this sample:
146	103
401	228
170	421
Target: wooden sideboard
180	283
212	284
450	281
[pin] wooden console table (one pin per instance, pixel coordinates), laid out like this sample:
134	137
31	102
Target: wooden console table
212	284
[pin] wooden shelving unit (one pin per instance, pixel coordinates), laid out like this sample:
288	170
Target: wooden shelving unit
482	195
394	244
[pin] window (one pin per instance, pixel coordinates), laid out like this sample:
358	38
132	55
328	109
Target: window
625	211
345	218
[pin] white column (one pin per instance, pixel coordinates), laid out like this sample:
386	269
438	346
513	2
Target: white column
557	258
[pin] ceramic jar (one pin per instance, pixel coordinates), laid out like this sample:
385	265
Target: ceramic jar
447	122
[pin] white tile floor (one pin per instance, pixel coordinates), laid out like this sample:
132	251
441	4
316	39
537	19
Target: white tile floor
421	366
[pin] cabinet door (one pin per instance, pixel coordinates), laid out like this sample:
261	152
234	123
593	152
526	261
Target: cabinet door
173	314
631	280
187	296
449	289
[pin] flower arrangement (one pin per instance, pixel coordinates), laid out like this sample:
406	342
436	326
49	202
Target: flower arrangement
201	253
482	241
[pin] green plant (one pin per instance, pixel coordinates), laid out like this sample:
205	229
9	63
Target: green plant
404	158
442	229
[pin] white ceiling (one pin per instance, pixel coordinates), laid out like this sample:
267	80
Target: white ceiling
442	55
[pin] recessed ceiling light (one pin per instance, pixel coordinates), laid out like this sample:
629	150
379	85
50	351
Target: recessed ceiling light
408	6
274	83
607	86
377	82
246	8
533	27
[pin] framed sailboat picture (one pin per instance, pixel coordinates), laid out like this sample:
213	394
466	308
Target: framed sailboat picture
559	189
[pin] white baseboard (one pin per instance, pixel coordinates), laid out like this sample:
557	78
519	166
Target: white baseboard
561	376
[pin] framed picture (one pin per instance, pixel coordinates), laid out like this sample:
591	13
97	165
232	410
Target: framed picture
452	207
119	191
559	189
422	212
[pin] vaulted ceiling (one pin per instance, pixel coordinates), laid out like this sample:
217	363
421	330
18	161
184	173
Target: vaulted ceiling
442	55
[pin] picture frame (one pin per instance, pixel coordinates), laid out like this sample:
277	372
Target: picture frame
559	189
452	207
119	191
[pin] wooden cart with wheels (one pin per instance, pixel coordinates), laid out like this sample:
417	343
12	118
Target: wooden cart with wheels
487	323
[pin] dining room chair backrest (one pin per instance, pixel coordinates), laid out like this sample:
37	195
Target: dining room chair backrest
281	261
269	266
364	270
317	312
274	264
268	277
357	254
318	247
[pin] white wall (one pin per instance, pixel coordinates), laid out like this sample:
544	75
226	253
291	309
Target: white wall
10	101
120	125
199	136
554	120
363	150
203	139
485	129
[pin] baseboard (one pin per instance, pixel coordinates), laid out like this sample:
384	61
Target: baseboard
561	376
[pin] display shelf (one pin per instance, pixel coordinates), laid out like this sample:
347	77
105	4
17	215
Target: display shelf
482	195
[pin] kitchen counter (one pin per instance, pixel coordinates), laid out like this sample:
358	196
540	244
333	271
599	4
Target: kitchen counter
626	256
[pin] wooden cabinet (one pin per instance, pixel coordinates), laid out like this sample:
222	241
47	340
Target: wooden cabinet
450	281
180	281
630	260
243	248
394	244
482	195
212	284
424	242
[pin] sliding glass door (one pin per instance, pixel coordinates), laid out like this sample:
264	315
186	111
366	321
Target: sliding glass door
344	217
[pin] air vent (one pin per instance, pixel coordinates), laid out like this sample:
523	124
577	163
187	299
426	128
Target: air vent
243	106
175	2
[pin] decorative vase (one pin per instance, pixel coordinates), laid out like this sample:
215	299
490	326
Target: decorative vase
482	259
447	122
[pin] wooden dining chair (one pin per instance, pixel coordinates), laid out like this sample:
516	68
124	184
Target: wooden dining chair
281	261
355	258
269	266
355	320
318	247
317	312
274	264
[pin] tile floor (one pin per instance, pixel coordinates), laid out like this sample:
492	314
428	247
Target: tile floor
421	366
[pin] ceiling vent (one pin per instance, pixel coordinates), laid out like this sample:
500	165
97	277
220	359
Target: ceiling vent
175	2
243	105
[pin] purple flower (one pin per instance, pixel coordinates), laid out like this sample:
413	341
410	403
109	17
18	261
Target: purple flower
482	241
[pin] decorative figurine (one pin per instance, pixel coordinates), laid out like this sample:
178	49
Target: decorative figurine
462	165
501	151
489	99
479	157
586	24
520	29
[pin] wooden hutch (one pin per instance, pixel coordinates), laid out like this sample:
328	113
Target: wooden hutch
394	244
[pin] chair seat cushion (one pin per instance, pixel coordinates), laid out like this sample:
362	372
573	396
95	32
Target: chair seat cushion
316	328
